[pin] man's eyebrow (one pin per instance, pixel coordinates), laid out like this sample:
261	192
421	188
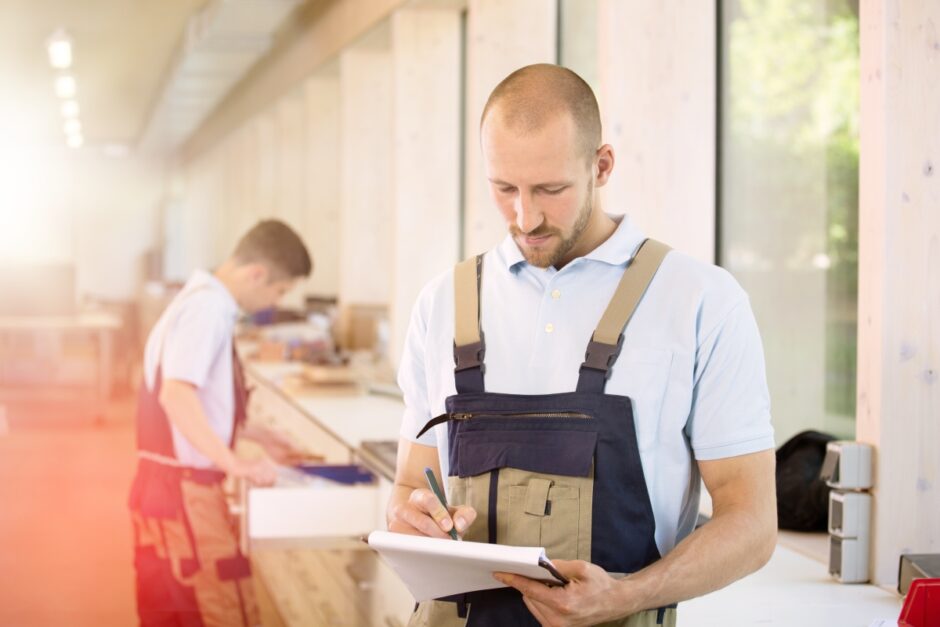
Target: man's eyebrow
546	184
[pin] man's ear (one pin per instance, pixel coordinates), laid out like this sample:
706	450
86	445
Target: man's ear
257	273
604	161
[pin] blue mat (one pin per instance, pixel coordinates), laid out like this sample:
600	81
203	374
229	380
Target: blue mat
349	474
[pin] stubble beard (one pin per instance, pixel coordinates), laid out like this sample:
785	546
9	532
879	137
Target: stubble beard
544	258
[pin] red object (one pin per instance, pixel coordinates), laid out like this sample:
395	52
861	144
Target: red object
921	605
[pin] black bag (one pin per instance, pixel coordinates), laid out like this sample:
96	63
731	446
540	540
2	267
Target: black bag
802	497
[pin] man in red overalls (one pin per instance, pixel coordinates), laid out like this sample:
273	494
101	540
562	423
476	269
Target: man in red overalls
191	408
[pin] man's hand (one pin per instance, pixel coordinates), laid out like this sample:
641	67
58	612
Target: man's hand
278	446
422	514
258	472
591	597
414	509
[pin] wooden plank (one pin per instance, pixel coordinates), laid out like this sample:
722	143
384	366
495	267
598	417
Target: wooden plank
347	585
899	270
270	615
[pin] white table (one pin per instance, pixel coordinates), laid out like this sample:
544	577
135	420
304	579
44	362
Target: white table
791	591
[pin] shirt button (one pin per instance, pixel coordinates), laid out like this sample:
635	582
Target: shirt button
556	294
549	327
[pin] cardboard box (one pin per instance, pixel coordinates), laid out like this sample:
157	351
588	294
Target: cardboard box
358	326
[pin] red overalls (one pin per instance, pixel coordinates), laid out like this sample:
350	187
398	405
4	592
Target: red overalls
190	569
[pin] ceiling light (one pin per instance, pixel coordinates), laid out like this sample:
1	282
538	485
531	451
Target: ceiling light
70	109
74	141
60	50
72	127
65	86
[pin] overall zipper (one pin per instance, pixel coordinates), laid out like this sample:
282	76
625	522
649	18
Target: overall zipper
492	414
495	414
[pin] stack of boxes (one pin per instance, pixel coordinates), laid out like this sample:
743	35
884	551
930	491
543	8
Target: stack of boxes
847	470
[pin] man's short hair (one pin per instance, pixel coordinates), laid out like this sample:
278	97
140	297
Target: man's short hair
532	95
276	245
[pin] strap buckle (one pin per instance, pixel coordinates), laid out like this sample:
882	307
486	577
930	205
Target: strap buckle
601	356
470	355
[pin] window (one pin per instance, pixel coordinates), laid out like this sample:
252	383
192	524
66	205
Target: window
788	196
577	38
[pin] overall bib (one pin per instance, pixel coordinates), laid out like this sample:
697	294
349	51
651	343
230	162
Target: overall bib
561	471
190	569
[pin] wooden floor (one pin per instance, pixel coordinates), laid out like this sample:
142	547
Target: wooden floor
65	541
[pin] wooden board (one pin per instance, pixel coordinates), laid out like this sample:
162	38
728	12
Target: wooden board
348	585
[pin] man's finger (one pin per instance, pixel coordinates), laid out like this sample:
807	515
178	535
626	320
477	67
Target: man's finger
463	517
528	587
576	570
418	518
400	526
425	500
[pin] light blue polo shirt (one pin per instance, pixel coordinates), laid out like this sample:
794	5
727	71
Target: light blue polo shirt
692	360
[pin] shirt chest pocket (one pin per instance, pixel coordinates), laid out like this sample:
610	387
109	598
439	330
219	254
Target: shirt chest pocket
643	374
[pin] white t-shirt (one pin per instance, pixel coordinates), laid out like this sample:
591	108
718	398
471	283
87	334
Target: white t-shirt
692	360
192	342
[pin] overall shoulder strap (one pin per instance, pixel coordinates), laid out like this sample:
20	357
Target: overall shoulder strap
607	341
469	345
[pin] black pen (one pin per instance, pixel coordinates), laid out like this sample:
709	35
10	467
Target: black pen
436	489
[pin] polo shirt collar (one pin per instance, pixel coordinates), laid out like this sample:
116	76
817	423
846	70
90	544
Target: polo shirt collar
617	250
204	278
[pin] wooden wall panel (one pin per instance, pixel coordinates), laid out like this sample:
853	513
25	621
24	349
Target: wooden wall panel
426	51
366	242
657	103
322	178
501	37
899	269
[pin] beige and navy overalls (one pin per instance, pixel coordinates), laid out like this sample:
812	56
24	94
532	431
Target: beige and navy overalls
561	471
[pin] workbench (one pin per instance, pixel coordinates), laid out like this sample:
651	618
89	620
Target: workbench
337	579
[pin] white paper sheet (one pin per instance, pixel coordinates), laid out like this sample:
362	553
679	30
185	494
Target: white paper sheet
432	567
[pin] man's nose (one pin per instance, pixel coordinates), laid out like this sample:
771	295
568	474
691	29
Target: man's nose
528	218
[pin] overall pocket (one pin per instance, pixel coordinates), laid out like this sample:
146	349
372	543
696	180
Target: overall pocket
551	511
543	490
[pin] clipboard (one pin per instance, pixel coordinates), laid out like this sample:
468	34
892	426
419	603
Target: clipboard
434	567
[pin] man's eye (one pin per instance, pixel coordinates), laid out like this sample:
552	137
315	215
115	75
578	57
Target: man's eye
507	190
553	192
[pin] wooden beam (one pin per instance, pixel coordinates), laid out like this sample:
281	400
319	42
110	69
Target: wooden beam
318	35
